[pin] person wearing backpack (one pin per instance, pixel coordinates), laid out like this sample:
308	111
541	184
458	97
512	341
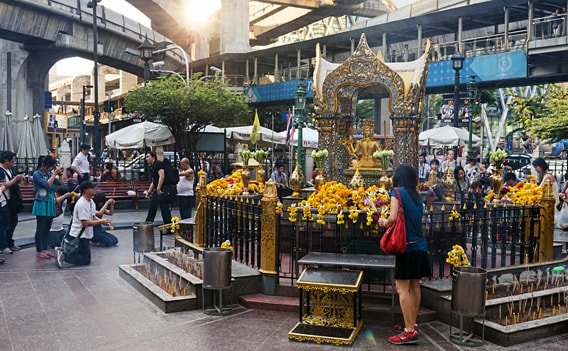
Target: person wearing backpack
161	196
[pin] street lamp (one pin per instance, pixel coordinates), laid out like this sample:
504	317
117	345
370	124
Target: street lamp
472	96
300	103
83	123
146	55
457	64
96	114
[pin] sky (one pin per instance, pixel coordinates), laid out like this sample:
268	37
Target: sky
76	66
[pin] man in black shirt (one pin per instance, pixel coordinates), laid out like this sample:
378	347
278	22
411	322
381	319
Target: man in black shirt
161	194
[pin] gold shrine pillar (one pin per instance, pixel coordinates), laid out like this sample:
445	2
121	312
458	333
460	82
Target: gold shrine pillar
201	202
406	129
269	239
546	234
326	141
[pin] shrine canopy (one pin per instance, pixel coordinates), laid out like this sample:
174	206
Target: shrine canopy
140	135
446	135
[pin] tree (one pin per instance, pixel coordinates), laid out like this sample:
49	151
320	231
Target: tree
187	108
553	124
526	109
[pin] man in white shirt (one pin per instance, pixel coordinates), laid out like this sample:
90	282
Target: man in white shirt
81	164
84	220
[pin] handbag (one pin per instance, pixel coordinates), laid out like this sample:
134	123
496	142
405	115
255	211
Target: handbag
394	240
70	244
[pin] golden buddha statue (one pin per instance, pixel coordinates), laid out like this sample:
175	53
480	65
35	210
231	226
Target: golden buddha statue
362	150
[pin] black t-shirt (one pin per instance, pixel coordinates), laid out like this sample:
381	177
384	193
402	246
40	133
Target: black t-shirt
155	176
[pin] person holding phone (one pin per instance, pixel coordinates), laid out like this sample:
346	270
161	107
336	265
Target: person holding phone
44	204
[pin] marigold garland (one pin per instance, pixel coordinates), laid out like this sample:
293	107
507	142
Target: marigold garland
457	257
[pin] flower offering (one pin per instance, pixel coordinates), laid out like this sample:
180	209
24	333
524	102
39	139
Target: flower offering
457	257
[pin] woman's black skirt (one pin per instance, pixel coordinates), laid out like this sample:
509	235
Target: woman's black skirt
412	265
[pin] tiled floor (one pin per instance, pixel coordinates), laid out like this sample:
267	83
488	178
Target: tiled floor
91	308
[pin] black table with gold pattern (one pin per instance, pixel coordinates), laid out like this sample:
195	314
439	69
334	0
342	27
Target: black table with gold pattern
330	306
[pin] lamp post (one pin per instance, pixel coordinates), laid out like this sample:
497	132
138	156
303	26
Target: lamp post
457	64
96	114
146	55
300	103
83	122
472	96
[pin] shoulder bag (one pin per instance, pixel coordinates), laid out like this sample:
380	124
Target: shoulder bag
70	244
394	241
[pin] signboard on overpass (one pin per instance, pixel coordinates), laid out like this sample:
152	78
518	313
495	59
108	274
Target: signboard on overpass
282	91
506	65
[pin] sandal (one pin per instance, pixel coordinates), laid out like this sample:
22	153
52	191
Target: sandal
42	256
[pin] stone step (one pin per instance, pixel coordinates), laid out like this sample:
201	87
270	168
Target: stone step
375	308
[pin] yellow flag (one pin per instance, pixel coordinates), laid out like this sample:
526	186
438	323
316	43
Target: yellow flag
255	132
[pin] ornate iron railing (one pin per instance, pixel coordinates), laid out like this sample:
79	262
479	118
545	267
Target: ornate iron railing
493	236
237	219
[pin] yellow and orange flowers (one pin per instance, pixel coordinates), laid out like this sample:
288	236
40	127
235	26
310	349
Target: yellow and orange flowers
457	257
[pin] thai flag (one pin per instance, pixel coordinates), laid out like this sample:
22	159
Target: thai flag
290	128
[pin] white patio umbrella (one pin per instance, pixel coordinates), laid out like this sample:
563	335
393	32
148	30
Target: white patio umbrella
39	135
310	137
446	135
243	134
7	142
27	145
140	135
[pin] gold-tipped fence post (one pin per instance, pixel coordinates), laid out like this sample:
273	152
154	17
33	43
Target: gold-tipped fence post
268	239
201	204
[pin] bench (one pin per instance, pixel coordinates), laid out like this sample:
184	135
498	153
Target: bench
358	261
28	194
119	191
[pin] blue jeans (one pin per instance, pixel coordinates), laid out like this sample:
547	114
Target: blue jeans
102	237
55	238
4	225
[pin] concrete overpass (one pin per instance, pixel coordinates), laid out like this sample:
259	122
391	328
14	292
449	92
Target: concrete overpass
36	34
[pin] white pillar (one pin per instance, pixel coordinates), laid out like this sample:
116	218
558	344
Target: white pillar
234	26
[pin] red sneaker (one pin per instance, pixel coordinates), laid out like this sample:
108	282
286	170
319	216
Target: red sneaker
400	328
404	338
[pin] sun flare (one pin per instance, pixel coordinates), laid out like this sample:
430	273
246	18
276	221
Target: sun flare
199	11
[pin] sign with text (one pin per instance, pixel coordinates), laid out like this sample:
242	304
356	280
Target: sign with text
55	123
447	110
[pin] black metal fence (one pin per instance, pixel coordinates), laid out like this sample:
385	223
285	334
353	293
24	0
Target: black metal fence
504	235
237	219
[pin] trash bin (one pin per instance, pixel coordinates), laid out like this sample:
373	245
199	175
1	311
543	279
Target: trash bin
468	291
217	268
143	237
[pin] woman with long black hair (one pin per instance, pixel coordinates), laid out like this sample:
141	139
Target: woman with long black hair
44	204
414	263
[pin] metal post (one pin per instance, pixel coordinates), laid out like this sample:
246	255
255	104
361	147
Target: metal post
469	141
96	113
298	63
83	117
460	34
109	113
301	140
419	49
276	71
506	44
457	99
530	20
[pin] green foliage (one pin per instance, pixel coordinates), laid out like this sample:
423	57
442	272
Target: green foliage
553	123
187	108
365	111
525	110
